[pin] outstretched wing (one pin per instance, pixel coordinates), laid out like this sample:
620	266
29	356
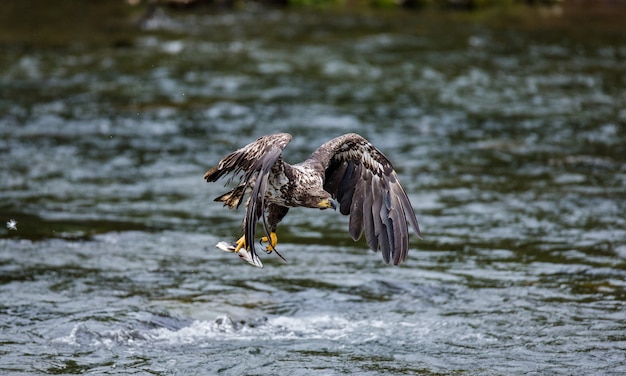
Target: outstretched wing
366	186
253	163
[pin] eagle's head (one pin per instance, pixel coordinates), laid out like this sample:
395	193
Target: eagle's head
327	203
321	200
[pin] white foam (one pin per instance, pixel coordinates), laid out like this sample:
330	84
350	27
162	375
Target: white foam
314	327
279	328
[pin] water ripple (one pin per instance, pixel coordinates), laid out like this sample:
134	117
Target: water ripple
508	140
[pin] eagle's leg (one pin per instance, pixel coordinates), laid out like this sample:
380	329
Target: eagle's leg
272	241
275	214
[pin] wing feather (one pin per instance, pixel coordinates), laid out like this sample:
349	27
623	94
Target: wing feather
368	217
366	186
347	185
383	232
256	207
356	211
253	163
399	231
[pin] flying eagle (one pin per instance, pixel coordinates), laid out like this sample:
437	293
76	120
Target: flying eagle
347	171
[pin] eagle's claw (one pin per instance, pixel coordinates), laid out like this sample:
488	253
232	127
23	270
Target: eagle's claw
267	249
271	242
239	248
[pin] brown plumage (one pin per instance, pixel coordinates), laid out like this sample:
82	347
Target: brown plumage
348	169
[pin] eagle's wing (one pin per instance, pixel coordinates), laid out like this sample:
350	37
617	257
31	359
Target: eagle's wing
253	162
366	186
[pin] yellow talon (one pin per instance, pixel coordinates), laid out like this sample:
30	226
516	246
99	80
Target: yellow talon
241	243
239	248
272	241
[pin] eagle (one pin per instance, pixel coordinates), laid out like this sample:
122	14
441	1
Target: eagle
347	172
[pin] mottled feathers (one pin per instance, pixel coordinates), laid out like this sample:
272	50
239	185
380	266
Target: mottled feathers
348	168
366	186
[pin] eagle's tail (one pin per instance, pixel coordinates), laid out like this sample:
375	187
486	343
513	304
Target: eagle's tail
232	198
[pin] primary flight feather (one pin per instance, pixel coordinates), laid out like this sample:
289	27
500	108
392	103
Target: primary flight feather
347	171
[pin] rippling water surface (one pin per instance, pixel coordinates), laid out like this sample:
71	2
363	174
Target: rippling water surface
508	133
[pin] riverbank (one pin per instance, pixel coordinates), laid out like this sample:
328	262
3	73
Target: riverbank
67	23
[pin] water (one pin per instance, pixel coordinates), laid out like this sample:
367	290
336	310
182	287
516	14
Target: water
508	133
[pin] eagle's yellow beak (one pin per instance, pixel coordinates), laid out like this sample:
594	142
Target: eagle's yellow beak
327	203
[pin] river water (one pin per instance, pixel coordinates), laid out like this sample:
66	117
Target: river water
508	133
